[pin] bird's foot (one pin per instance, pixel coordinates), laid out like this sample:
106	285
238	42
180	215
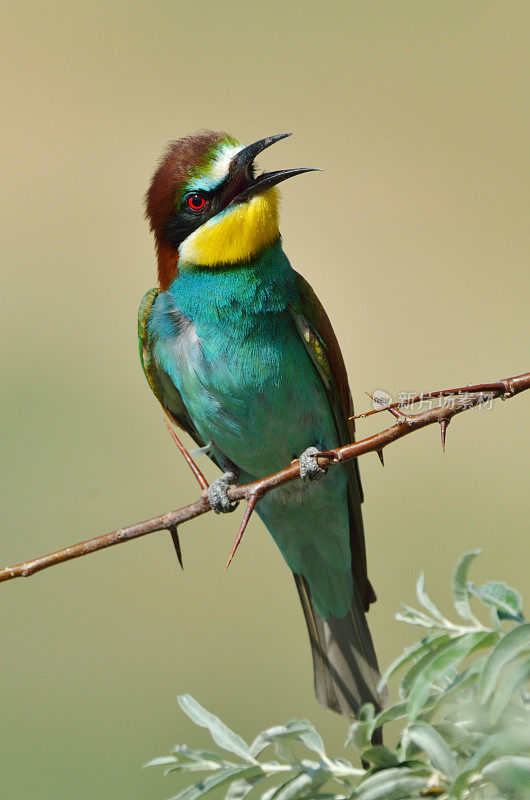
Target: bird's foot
309	466
217	493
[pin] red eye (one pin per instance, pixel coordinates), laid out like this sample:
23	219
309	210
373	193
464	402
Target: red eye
196	202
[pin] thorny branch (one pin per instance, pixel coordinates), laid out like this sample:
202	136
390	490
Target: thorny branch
455	401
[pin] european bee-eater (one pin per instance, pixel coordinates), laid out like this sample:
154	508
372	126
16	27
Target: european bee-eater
241	355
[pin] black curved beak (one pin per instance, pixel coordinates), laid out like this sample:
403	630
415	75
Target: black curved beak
241	179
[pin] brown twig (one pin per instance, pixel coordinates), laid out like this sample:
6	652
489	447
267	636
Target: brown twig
497	389
252	492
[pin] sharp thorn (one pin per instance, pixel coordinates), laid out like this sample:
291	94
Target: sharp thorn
381	458
251	505
201	480
443	430
176	542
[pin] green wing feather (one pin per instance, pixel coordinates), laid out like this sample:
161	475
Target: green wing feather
143	342
171	401
321	343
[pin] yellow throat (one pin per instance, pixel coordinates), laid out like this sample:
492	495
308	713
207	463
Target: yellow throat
239	234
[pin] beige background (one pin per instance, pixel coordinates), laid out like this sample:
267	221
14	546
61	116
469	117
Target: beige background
413	236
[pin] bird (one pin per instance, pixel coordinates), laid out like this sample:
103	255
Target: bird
242	356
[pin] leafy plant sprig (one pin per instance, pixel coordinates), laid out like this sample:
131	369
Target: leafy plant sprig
464	709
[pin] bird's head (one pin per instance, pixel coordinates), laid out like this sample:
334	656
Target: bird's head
207	207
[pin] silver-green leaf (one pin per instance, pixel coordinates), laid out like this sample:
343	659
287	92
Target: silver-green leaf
498	595
460	586
299	785
432	743
515	680
380	756
410	653
511	775
220	733
241	787
221	778
440	663
395	783
426	601
516	642
292	731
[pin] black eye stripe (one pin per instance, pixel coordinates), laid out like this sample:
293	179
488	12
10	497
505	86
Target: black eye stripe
188	216
186	219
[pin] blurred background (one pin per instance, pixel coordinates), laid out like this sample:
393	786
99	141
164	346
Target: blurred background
415	238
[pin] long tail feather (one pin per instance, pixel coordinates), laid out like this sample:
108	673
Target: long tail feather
344	660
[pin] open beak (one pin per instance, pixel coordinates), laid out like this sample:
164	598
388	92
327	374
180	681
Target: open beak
241	178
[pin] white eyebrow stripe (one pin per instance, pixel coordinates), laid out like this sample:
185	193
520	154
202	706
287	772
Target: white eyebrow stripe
221	164
217	171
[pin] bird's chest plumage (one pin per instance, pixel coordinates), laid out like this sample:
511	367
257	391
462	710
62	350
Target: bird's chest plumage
252	390
244	374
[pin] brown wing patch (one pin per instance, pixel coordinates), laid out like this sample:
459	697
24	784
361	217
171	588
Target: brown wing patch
319	337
